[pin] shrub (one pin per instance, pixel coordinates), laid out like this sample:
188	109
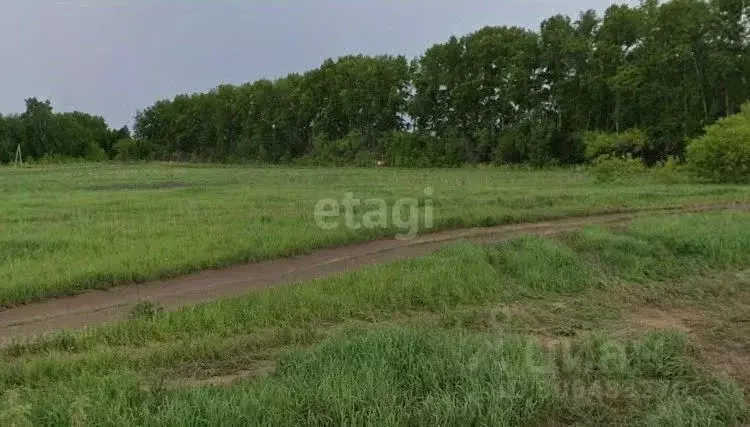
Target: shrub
613	169
510	148
351	150
366	159
669	172
407	149
723	153
632	142
95	153
128	149
53	159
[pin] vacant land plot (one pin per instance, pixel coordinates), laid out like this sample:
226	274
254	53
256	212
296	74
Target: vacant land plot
639	325
68	229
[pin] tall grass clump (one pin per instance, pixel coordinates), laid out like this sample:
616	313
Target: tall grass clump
537	264
389	376
404	376
718	403
650	381
609	169
710	241
622	256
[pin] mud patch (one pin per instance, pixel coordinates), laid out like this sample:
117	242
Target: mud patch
730	360
729	357
650	318
259	370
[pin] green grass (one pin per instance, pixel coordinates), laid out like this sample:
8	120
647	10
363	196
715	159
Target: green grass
407	376
71	228
530	331
462	275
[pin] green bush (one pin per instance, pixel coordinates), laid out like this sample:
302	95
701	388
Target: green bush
632	142
407	149
128	149
669	172
723	153
95	153
366	159
354	149
53	159
616	169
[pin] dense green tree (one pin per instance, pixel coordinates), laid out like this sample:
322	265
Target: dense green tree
475	87
273	121
661	70
40	132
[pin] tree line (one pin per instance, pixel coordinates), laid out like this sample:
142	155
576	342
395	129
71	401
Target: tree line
42	133
639	81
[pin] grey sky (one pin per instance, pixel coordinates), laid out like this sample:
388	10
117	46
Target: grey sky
114	57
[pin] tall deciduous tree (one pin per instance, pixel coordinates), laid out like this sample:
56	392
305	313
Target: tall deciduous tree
660	70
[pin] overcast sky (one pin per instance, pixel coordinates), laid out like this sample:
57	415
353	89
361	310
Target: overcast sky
113	58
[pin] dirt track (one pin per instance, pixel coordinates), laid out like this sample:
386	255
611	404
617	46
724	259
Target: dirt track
98	307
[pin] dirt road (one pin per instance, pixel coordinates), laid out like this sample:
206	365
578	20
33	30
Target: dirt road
98	307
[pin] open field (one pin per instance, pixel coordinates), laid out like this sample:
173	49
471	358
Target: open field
72	228
643	324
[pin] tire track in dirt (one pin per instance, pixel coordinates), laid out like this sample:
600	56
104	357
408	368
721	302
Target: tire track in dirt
98	307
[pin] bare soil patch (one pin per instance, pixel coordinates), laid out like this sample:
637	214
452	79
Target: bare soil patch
650	318
730	357
259	370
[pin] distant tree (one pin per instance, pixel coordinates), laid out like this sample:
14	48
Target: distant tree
39	129
504	94
41	132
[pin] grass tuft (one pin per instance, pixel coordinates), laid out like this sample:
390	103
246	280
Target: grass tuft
145	310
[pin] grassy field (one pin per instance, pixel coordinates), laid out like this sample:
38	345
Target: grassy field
644	325
71	228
